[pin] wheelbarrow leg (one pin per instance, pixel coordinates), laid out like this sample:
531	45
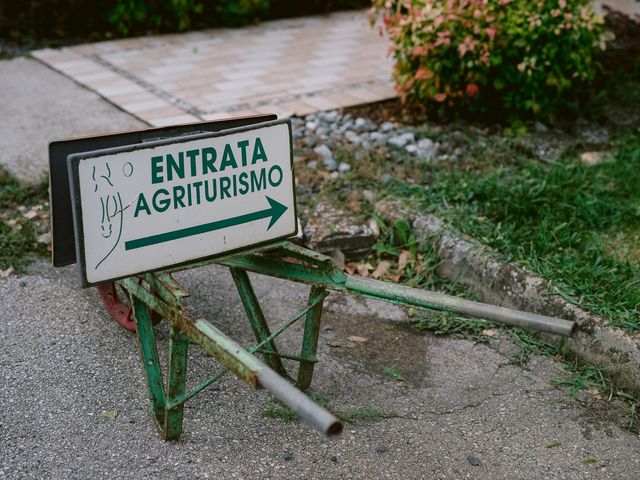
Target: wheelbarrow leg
256	318
310	337
150	360
176	381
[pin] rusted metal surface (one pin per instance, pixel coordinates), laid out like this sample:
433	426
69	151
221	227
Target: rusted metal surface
310	336
167	404
159	294
118	310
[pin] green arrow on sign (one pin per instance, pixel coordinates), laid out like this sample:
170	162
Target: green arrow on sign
275	211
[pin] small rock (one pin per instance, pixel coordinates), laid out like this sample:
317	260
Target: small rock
344	167
385	178
376	137
287	456
346	125
401	140
330	164
593	134
368	195
363	125
357	339
311	125
334	459
5	273
312	165
381	448
473	461
540	127
44	238
592	158
353	137
426	144
412	149
310	140
360	124
330	116
387	127
322	131
323	151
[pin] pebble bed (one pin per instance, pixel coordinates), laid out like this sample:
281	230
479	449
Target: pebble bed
323	132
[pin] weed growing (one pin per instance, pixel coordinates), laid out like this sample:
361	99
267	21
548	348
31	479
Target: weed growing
23	218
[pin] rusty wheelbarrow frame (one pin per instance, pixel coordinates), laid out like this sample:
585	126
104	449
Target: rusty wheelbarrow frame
160	293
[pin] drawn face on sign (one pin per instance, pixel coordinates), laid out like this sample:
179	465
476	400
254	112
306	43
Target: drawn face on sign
111	215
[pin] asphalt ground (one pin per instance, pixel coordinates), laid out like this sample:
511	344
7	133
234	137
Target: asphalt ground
463	411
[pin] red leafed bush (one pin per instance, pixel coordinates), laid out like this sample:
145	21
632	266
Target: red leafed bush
519	58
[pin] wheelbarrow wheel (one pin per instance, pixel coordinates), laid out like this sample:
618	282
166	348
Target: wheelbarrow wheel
119	309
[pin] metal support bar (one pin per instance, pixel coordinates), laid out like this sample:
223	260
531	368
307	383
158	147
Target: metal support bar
254	349
176	381
438	301
150	360
230	354
310	336
299	402
324	274
295	358
256	317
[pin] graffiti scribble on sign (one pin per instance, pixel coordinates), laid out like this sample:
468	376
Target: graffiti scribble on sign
111	214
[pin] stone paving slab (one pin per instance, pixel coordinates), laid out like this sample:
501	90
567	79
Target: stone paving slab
38	106
292	66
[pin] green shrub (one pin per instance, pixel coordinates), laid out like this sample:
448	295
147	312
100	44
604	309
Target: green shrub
131	16
520	57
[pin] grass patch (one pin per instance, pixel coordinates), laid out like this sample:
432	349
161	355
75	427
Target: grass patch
454	326
24	212
550	219
393	373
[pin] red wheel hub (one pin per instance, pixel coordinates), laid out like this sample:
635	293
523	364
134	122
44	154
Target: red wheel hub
118	310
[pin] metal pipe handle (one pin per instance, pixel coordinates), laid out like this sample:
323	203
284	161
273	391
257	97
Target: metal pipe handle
438	301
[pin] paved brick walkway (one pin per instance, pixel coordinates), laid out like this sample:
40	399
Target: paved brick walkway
286	66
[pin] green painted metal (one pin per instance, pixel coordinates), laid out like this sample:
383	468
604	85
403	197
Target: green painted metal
287	270
150	360
437	301
310	336
288	356
176	382
256	317
163	295
282	328
244	365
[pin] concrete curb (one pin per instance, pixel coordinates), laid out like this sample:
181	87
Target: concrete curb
478	267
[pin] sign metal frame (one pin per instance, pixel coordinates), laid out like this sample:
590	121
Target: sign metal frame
63	250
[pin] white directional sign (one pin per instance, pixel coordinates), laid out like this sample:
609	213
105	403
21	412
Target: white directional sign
167	202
